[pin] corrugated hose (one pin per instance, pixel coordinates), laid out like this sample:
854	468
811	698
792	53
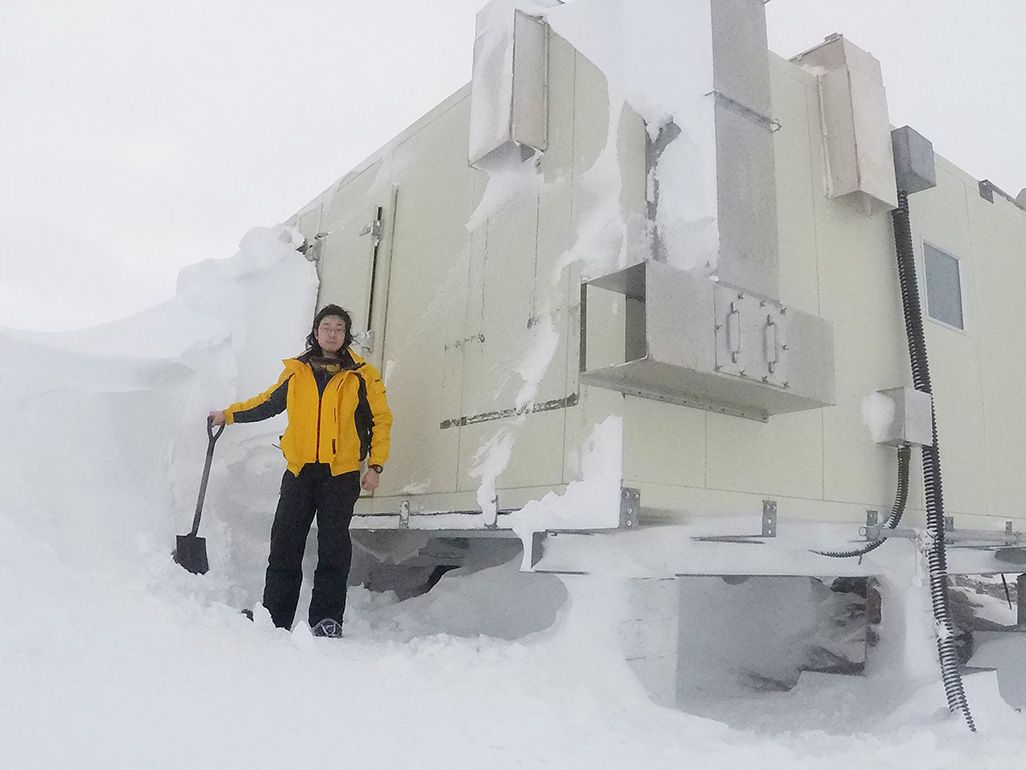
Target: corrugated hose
936	556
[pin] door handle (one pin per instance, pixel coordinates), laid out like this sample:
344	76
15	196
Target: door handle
734	332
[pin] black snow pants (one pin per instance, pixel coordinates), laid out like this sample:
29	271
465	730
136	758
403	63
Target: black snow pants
331	498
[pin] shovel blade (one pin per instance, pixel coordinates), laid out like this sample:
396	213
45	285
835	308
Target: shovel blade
191	553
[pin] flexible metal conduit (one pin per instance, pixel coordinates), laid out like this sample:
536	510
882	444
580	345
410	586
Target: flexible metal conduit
937	557
931	463
897	510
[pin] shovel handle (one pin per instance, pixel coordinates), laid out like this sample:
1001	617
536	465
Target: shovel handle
214	435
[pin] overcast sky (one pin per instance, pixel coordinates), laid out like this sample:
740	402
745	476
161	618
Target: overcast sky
139	137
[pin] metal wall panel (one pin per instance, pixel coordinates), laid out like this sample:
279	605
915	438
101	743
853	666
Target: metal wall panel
427	300
997	305
347	251
500	313
664	443
746	190
591	120
774	458
941	216
517	300
796	186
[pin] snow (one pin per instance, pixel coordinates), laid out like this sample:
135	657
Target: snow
593	501
117	411
494	668
1004	651
490	461
542	343
878	415
507	182
657	57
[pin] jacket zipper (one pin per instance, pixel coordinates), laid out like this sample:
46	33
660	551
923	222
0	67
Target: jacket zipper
320	403
317	453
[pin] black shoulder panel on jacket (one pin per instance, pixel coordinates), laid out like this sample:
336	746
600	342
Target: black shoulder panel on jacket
272	406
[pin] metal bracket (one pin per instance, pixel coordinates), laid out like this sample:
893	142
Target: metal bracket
630	507
872	520
765	121
769	528
991	537
374	230
769	518
494	523
404	514
537	547
1012	555
311	249
630	517
878	532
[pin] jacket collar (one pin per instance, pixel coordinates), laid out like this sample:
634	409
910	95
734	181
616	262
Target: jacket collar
350	361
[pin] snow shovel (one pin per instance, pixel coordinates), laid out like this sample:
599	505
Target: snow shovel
191	550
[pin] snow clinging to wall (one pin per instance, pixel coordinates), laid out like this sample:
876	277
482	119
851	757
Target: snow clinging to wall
657	57
877	415
595	497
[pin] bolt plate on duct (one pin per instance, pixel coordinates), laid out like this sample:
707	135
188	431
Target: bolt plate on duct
751	336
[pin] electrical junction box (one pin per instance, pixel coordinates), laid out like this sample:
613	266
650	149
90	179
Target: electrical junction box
914	164
913	418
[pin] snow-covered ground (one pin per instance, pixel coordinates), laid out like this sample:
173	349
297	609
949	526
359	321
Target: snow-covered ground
113	656
100	670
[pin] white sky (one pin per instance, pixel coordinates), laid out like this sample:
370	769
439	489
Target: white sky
139	137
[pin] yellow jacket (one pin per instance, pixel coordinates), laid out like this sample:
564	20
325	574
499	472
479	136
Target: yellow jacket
346	424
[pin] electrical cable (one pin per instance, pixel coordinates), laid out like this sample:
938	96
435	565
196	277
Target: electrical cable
936	555
897	510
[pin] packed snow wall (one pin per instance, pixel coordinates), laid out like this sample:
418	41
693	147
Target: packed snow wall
106	425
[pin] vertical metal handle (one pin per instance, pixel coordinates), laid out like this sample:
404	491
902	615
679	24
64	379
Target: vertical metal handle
772	343
734	338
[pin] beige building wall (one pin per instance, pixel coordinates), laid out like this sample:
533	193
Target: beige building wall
454	312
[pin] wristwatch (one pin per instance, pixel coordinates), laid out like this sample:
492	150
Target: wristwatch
375	468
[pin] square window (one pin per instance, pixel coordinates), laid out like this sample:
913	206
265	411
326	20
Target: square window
943	287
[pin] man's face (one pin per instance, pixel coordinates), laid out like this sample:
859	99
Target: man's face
331	334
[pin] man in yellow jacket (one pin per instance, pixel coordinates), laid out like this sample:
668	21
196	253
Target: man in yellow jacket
338	417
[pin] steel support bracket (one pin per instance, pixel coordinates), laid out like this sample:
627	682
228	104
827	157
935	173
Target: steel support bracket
630	507
769	518
537	547
769	528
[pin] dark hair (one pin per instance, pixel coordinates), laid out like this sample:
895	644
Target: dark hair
312	346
